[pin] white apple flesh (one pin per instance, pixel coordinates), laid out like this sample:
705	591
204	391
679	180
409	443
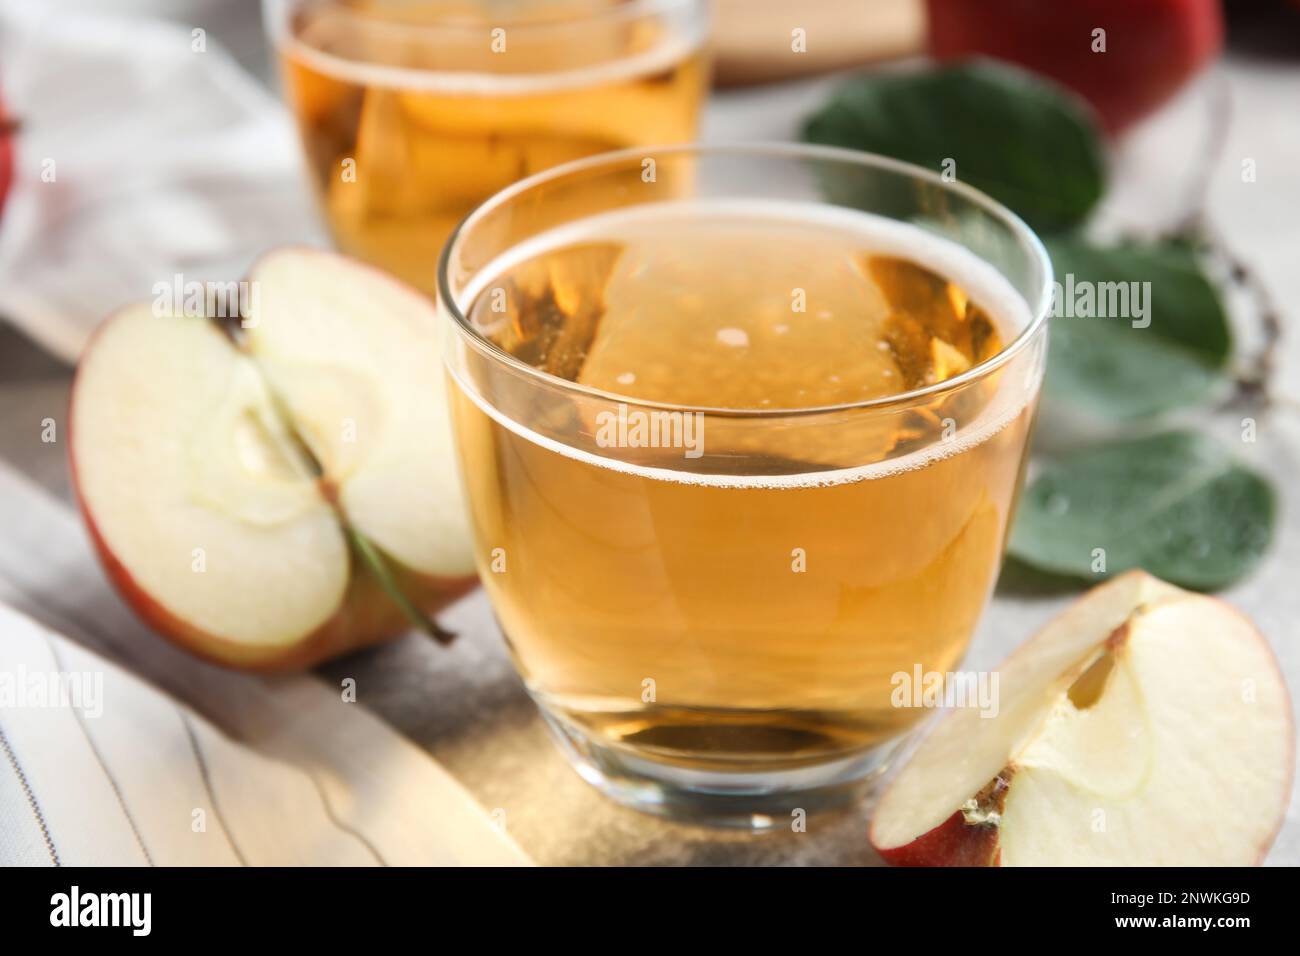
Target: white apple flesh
359	365
1144	726
206	519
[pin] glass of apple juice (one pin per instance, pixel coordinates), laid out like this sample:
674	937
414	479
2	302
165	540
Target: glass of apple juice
411	112
742	430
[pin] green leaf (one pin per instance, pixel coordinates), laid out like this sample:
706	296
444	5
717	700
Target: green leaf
1024	141
1168	353
1176	504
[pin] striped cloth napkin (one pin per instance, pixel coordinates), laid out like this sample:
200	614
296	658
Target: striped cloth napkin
100	766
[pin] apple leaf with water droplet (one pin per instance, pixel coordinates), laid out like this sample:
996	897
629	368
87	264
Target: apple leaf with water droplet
1177	504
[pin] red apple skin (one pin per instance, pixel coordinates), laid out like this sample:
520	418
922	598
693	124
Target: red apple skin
1152	46
952	843
6	156
956	842
366	615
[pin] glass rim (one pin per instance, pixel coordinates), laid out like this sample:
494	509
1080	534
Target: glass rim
276	15
1034	247
277	25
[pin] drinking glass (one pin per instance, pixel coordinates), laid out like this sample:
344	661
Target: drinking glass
411	112
742	429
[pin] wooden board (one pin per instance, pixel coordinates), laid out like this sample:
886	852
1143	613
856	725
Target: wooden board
753	39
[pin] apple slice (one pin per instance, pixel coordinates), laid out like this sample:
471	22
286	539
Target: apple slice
1144	726
216	524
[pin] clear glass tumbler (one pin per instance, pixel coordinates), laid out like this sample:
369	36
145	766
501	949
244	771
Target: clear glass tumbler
742	429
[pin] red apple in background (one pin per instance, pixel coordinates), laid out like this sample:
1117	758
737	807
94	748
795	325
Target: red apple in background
1146	725
1152	47
238	488
7	127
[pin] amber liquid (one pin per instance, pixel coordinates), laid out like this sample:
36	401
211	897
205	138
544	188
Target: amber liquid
657	601
412	113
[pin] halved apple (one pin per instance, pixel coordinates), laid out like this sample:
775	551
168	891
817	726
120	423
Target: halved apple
1144	726
259	497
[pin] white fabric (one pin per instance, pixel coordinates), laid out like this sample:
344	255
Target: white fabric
165	160
295	775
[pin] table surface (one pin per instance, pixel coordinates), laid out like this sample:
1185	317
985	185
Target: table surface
466	706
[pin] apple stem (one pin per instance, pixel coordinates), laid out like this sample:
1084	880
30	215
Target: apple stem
1219	109
1252	384
985	808
1255	379
298	447
383	574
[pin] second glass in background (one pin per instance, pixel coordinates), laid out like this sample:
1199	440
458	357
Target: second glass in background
412	113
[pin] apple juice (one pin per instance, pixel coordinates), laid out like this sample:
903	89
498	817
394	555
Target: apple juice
741	585
412	113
